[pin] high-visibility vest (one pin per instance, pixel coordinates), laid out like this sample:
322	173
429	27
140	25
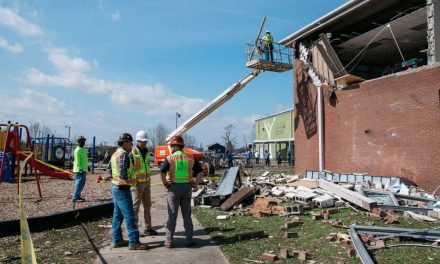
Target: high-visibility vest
181	166
115	170
141	166
267	39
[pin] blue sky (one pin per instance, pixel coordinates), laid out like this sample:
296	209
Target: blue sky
107	67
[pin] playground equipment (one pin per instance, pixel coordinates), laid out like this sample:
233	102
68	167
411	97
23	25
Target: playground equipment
53	150
10	139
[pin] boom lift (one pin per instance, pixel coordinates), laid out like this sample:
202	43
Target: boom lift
281	62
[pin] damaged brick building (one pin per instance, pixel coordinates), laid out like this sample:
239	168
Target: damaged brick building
367	90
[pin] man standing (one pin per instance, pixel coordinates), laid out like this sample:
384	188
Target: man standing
289	157
257	157
268	46
176	173
123	179
142	194
80	167
229	157
267	157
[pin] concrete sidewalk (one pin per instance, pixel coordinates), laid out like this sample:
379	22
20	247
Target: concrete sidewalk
204	250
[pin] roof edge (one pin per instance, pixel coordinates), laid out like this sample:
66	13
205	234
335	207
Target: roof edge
347	7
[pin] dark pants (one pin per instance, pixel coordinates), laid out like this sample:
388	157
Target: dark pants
179	195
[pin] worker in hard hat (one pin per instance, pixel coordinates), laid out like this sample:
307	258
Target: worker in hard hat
177	172
123	178
268	46
80	167
140	157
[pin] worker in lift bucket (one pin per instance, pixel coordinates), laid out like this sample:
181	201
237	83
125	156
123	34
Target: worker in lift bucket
268	46
177	172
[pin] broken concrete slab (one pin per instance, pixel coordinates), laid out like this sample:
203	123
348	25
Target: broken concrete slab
348	195
419	217
250	235
237	198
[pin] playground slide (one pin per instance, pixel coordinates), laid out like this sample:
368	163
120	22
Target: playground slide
45	168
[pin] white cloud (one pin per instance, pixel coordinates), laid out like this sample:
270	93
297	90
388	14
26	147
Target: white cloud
250	120
16	48
13	20
72	72
115	15
31	105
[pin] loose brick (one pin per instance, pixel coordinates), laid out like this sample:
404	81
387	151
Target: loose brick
332	210
330	238
290	235
284	253
303	255
316	217
380	244
269	256
351	252
390	219
326	216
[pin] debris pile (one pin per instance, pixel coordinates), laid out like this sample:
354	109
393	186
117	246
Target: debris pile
382	198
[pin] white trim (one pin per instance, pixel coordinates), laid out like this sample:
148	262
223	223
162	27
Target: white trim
282	112
260	141
325	19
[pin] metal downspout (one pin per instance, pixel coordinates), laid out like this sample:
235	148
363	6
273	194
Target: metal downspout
320	129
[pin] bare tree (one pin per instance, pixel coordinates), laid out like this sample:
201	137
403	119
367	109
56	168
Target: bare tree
34	129
190	141
160	133
228	139
45	130
38	130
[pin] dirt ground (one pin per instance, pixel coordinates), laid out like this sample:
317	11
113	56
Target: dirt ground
56	195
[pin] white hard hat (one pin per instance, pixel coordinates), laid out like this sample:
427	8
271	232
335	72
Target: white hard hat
141	136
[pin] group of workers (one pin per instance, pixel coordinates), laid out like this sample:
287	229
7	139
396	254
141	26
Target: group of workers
130	173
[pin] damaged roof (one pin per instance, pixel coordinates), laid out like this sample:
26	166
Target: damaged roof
353	24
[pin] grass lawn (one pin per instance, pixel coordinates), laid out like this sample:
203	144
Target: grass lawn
311	237
65	245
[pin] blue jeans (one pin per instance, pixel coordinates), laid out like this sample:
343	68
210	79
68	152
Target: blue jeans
123	209
80	181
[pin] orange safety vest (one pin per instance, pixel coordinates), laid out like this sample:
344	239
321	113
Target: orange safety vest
116	180
181	166
141	166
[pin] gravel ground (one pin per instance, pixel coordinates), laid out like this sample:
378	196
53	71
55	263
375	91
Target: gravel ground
56	194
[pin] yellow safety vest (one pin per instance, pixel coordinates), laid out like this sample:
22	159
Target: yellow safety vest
267	39
141	166
181	166
115	170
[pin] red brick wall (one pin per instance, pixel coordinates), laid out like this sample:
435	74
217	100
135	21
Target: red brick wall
387	127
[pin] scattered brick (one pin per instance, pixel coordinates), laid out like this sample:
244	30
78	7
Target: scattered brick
269	256
330	238
379	212
303	255
316	217
364	238
346	242
380	244
390	219
351	252
332	210
284	253
336	223
293	224
376	216
326	216
290	235
295	253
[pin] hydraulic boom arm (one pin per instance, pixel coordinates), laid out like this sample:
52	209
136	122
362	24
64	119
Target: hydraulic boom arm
214	104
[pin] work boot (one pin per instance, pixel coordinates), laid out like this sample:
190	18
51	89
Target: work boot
189	244
138	246
150	232
122	243
168	244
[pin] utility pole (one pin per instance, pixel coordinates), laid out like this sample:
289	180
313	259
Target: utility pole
68	133
177	116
